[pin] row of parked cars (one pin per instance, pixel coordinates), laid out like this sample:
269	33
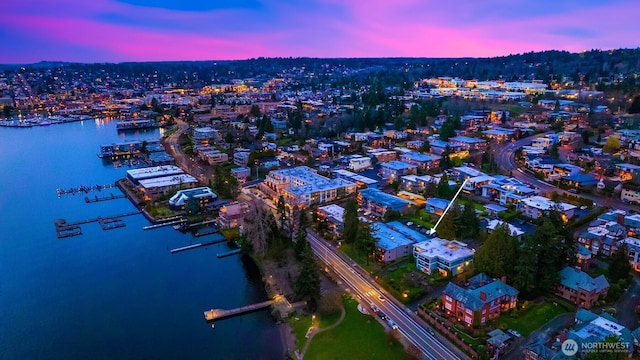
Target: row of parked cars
392	324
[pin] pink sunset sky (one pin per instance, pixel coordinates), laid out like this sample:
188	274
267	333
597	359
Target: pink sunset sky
159	30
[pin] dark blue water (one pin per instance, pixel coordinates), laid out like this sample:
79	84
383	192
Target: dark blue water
116	294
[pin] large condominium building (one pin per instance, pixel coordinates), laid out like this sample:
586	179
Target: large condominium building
447	257
302	186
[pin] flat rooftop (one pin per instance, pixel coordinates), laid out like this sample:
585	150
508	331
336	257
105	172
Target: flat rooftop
384	199
155	171
443	249
168	181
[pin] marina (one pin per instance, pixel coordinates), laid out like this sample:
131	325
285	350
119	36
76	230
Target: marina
218	240
83	189
228	253
164	224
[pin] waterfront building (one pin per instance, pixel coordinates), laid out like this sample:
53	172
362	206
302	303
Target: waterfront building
136	175
154	187
232	215
203	195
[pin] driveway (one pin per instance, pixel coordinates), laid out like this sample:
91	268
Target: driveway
544	333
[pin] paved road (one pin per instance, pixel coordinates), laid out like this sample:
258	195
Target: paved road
506	163
364	289
172	147
625	306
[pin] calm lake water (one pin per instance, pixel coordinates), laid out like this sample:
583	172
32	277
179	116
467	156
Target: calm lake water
116	294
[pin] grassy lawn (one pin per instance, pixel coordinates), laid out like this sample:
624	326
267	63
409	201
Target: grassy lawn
231	233
359	336
300	327
328	320
357	256
421	218
396	282
533	318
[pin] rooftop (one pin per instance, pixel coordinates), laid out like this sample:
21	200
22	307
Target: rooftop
398	165
388	238
449	250
155	171
384	199
577	279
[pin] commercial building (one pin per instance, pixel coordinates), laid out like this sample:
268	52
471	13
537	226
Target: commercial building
135	175
377	202
157	186
482	300
203	195
445	256
580	288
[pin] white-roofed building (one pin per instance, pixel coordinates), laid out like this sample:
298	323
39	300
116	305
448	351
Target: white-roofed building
447	257
203	195
513	230
155	187
536	206
135	175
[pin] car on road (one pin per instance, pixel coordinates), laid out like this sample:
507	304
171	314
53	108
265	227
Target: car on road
431	331
409	223
514	333
573	191
374	308
583	207
381	298
382	315
392	324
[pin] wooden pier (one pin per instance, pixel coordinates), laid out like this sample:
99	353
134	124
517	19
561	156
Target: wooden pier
89	200
83	189
217	314
194	246
164	224
67	229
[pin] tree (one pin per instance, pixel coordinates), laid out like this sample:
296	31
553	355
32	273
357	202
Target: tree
634	108
619	266
611	145
586	134
307	285
447	228
366	241
301	235
350	221
498	255
471	222
445	160
426	146
193	205
255	111
448	130
444	191
554	151
430	189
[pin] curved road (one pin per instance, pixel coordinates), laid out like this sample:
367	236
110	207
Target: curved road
363	288
504	157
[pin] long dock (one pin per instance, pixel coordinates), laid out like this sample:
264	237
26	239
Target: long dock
89	200
164	224
186	227
194	246
207	231
229	253
217	314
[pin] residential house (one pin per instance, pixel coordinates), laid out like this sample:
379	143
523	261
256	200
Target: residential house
633	246
232	215
628	171
241	173
416	183
333	216
436	205
513	230
391	244
482	300
468	143
580	288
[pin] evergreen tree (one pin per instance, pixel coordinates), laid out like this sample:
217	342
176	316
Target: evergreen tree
307	285
447	228
445	160
498	255
426	147
301	235
350	221
444	191
430	190
471	222
366	242
619	266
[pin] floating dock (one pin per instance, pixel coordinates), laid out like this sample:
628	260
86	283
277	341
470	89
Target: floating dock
217	314
89	200
67	229
207	231
229	253
187	227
